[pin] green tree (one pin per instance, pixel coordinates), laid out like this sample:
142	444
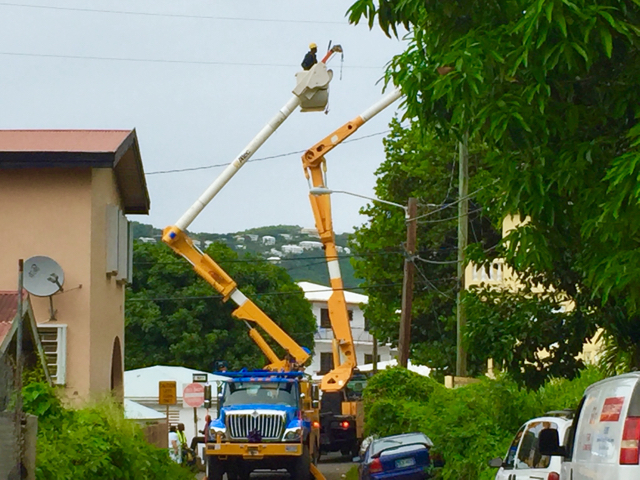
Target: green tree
419	165
551	87
173	317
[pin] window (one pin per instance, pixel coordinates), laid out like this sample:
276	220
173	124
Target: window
529	454
326	363
119	245
325	321
368	358
513	449
54	344
367	325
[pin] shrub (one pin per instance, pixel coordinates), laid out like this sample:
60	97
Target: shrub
468	425
94	442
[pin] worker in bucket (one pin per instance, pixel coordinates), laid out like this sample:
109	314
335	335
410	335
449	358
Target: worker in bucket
310	58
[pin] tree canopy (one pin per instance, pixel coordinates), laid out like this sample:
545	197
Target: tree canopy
418	164
551	88
173	317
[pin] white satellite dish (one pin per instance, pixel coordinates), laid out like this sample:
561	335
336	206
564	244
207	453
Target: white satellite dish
42	276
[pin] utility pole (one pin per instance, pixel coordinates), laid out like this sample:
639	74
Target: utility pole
19	365
404	339
463	230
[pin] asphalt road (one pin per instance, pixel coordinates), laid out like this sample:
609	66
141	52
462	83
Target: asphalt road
333	467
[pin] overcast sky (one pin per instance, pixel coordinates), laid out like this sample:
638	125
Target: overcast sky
198	79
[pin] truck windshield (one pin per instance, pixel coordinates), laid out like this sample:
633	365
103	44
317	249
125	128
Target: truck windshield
265	393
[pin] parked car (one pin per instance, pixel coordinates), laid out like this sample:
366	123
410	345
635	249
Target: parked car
523	459
604	438
402	457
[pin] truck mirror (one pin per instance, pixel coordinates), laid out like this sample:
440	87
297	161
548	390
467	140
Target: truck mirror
496	462
303	396
315	404
550	443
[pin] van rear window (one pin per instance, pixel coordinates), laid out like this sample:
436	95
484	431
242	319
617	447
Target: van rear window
529	454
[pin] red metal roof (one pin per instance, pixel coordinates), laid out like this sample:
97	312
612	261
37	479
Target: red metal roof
62	140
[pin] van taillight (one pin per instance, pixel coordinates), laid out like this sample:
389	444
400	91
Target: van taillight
375	466
553	476
630	441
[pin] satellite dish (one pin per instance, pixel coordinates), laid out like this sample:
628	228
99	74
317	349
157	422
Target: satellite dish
42	276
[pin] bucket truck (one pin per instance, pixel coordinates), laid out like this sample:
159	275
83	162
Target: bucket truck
268	419
341	414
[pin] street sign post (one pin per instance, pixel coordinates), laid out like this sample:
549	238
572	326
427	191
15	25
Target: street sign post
167	393
200	378
193	395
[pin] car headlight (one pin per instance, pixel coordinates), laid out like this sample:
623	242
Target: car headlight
292	434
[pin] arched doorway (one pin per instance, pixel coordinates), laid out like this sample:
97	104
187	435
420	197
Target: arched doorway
116	371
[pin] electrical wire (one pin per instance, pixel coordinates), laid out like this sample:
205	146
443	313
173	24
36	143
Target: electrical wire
169	61
265	294
444	207
261	159
425	222
174	15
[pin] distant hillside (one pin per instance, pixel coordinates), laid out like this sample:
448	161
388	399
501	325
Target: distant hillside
307	266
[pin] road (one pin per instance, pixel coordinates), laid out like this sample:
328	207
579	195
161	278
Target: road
333	467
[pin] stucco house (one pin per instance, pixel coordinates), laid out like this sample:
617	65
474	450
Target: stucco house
500	276
322	360
64	195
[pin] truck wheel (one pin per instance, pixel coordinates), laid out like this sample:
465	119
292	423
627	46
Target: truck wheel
214	469
302	466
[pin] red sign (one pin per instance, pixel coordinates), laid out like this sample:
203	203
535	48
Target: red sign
193	395
611	409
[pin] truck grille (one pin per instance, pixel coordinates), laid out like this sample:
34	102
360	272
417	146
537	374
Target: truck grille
241	423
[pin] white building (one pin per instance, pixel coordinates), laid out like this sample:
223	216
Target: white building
323	357
147	240
197	243
292	249
286	236
312	232
268	240
253	238
239	238
276	253
207	243
310	245
141	386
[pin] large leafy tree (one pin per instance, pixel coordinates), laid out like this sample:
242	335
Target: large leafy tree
552	88
173	317
419	165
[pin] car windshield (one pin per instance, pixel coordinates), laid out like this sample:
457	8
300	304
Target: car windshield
398	441
266	393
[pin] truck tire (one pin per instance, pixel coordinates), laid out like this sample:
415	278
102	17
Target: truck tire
302	466
214	469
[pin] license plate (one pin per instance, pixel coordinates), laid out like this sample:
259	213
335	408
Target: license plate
405	462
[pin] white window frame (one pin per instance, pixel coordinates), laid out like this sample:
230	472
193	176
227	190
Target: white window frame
60	377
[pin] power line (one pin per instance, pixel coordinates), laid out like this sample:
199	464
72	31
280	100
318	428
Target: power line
444	207
297	152
169	61
174	15
265	294
425	222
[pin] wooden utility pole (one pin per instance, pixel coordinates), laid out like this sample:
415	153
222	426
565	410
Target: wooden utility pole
404	339
463	230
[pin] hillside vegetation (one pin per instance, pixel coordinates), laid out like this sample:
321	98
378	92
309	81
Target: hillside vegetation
309	266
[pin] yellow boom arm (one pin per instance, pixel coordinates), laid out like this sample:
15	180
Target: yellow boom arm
314	165
204	266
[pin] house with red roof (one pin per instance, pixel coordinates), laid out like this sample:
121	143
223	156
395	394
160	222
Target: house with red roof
65	194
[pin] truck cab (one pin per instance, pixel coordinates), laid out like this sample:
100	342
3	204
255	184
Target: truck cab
267	420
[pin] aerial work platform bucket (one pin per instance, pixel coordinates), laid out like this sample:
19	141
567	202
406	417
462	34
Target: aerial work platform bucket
312	88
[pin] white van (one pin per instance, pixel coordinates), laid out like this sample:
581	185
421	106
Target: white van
523	460
603	440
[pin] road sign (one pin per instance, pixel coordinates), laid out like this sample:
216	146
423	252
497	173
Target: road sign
167	393
193	395
200	378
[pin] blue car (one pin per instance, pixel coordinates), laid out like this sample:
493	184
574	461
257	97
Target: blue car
403	457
